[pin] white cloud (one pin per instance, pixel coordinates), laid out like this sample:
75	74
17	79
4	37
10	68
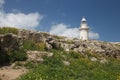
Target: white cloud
64	30
19	19
93	35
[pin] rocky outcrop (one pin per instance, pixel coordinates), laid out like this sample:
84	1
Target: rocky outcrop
8	43
93	46
37	55
11	41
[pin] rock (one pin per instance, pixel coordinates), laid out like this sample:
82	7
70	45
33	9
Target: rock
48	47
55	44
66	63
9	42
103	61
40	60
33	55
13	65
67	50
49	54
93	59
37	55
2	75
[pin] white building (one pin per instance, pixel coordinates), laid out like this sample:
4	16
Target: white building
84	29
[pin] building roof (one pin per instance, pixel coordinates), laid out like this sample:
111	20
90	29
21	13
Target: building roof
83	19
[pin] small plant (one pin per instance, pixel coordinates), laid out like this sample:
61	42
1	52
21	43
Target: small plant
30	65
41	46
30	45
3	58
74	55
17	56
69	42
5	30
59	37
18	64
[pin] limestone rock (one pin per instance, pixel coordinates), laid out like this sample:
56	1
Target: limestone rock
104	61
93	59
8	42
37	55
49	54
66	63
101	48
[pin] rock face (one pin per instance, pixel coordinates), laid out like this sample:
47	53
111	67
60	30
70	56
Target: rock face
91	46
11	41
37	55
8	42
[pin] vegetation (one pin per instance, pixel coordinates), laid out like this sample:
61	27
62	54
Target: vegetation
12	56
5	30
69	42
59	37
3	58
31	45
80	68
53	68
17	56
41	46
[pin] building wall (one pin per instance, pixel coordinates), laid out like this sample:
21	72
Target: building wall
84	34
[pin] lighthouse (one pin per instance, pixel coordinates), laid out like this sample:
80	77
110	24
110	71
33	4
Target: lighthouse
84	29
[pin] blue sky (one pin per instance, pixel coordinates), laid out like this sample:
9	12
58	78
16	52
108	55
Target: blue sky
103	16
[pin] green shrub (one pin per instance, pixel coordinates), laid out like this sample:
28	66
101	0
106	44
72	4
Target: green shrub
30	65
3	58
69	41
80	68
5	30
17	56
18	64
59	37
41	46
30	45
74	55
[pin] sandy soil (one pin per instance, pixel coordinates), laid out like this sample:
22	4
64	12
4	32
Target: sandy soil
9	73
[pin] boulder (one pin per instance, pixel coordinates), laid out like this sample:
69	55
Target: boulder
93	59
37	55
66	63
9	42
104	61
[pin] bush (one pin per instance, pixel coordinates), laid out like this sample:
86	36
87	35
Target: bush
80	68
17	56
69	41
30	65
74	55
30	45
5	30
41	46
12	56
3	58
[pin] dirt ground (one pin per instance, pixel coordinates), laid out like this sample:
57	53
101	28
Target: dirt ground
10	73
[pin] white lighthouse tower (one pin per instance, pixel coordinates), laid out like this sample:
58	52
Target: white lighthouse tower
84	29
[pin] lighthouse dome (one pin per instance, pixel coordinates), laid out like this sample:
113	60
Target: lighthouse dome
83	19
